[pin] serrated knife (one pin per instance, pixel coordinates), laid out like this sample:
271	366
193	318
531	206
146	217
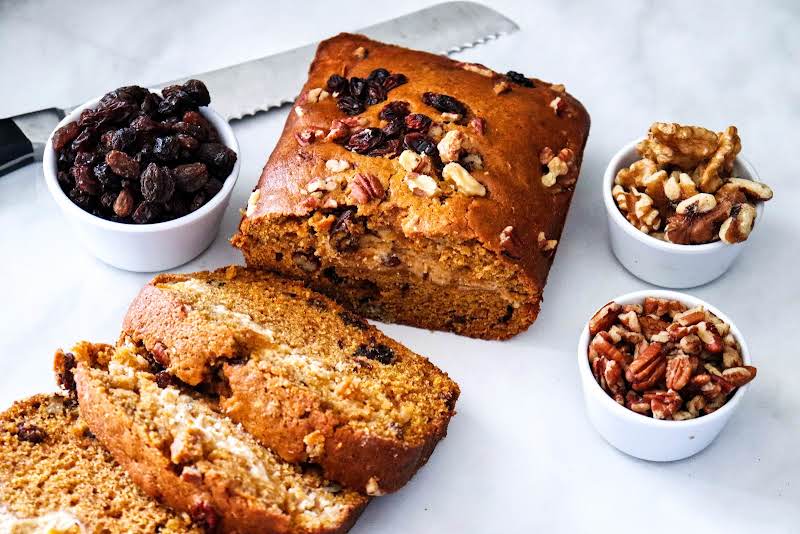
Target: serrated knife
272	81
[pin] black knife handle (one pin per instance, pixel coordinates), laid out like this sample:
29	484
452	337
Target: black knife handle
16	150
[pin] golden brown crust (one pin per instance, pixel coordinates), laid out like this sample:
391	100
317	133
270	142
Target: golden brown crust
214	500
192	343
519	124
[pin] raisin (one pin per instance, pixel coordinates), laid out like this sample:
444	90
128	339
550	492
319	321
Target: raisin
64	377
166	148
394	110
358	87
189	129
84	140
378	75
84	181
191	177
63	178
365	140
444	103
82	200
390	149
146	125
85	158
122	164
123	139
65	135
149	106
130	93
157	184
123	204
518	78
219	158
395	80
198	200
350	105
417	122
420	143
188	145
198	91
177	207
146	154
391	260
145	213
377	352
374	94
30	433
212	187
337	84
105	140
107	200
345	231
175	102
164	379
66	158
394	128
104	175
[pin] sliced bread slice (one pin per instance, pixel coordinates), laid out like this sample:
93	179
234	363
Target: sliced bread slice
181	451
55	477
304	376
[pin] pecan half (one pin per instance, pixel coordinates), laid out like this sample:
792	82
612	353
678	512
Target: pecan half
365	188
647	368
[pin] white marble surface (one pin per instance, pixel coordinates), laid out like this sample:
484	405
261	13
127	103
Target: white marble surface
520	455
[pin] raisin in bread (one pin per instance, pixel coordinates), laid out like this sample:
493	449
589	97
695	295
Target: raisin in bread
417	189
304	376
55	477
179	450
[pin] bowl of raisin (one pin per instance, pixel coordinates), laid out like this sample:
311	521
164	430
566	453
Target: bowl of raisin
144	178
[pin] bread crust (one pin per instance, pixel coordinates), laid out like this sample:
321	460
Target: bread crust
520	123
193	346
152	471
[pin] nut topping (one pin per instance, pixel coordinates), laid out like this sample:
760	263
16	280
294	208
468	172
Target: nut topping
463	180
685	370
691	195
421	184
337	165
365	188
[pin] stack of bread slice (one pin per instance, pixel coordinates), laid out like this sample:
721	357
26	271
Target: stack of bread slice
234	401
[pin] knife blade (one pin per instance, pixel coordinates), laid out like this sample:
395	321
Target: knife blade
261	84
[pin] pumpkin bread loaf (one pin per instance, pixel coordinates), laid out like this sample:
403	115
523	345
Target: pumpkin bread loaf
305	377
417	189
179	450
55	477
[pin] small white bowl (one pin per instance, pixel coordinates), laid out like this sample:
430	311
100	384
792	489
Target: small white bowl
659	262
644	437
146	247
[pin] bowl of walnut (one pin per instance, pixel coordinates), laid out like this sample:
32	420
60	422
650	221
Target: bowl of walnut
144	178
681	204
662	373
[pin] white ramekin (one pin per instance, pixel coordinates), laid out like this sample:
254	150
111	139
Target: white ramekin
146	247
642	436
659	262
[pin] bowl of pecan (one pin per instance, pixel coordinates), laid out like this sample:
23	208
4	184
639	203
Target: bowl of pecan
662	373
681	204
144	178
